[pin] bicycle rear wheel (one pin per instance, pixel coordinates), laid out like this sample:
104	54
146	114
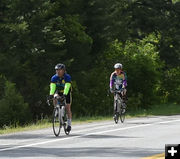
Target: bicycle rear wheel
56	122
65	125
65	129
122	114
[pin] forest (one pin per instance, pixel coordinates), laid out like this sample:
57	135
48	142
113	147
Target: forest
89	37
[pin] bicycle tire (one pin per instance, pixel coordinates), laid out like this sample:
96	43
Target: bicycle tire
116	115
65	129
64	122
56	122
122	114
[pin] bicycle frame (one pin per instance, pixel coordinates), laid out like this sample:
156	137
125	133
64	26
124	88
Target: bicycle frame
59	115
61	108
117	101
118	108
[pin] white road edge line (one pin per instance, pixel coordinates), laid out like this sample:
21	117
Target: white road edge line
97	126
101	132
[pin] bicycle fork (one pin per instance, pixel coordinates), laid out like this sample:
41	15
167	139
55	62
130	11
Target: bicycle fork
117	104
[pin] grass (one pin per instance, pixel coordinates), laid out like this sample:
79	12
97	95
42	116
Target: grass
165	109
45	123
32	126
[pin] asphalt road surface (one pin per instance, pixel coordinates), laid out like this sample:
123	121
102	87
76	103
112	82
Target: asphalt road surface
135	139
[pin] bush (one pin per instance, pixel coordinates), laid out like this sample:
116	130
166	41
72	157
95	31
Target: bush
142	65
79	102
13	109
171	85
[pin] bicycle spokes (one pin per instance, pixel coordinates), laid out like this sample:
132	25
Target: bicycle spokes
59	120
119	108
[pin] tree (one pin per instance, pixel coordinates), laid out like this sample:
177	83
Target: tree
13	109
142	65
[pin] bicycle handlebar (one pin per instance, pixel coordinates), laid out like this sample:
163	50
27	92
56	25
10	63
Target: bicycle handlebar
48	102
119	91
57	97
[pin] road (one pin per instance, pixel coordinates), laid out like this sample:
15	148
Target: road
135	139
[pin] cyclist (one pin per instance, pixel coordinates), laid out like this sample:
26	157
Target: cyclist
118	81
61	85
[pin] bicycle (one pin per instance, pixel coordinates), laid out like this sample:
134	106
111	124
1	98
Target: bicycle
119	107
59	116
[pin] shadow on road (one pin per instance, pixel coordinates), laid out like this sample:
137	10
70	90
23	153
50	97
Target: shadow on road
26	136
51	136
106	136
80	152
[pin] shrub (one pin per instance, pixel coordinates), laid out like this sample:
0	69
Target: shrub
171	85
13	109
142	64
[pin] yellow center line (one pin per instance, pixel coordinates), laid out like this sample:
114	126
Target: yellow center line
158	156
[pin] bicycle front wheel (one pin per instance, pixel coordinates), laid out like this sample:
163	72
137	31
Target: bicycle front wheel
56	122
116	117
116	113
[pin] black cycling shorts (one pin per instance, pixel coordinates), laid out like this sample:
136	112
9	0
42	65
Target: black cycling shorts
68	97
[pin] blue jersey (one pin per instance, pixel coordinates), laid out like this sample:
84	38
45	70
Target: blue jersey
60	82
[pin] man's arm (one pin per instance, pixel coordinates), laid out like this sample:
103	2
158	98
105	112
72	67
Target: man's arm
67	84
111	83
67	88
125	81
52	88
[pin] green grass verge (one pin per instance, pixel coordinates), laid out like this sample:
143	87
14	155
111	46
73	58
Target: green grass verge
47	123
32	126
165	109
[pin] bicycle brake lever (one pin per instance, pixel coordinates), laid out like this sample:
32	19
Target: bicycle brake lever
48	102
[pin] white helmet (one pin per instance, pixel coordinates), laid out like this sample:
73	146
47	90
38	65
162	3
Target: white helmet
118	65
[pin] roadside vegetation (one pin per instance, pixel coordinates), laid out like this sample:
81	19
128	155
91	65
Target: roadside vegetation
89	37
156	110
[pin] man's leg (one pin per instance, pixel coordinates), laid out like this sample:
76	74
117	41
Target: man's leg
55	100
68	109
124	96
115	108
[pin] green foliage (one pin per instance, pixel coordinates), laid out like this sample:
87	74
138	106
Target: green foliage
171	85
2	81
78	44
98	83
53	31
89	37
13	109
80	102
159	16
141	63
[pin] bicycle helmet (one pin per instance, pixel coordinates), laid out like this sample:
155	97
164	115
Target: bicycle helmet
118	65
60	66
